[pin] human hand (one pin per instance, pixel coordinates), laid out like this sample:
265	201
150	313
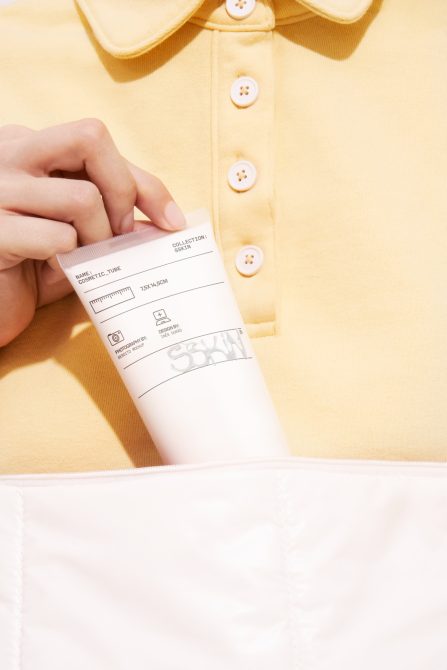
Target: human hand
62	187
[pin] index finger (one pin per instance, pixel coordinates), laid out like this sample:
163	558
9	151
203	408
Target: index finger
83	145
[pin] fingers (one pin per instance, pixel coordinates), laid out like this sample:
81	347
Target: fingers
14	132
50	287
19	293
68	200
86	147
154	200
80	145
31	237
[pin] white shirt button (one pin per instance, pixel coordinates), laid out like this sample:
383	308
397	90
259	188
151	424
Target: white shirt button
239	9
244	91
242	175
249	260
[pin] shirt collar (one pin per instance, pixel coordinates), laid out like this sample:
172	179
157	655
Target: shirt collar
129	28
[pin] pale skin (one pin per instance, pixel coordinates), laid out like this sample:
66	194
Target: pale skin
63	187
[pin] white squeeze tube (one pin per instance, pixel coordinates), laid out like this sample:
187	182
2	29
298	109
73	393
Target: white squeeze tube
164	309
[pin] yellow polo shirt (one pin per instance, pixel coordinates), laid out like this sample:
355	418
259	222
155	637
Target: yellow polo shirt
340	108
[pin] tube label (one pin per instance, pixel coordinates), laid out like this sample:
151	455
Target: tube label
162	307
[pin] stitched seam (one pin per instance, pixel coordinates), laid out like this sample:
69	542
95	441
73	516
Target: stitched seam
18	600
355	10
272	199
270	324
267	22
105	477
425	470
330	11
267	7
296	18
283	513
143	45
214	135
223	27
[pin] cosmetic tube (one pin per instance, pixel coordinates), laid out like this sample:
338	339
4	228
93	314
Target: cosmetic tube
165	311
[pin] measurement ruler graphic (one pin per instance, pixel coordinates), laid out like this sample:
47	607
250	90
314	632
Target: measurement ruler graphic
112	299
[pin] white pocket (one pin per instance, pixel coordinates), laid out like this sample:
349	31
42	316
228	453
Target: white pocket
259	565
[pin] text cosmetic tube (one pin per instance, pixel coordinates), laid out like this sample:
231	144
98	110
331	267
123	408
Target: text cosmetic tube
164	309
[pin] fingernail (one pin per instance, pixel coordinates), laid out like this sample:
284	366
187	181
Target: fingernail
174	216
127	223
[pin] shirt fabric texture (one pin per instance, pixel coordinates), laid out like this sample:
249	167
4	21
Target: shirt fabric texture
348	314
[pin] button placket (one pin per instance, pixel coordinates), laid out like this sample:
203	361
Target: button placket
245	150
